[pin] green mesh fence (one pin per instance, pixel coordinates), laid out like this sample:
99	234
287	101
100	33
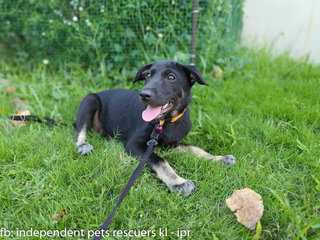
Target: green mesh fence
109	34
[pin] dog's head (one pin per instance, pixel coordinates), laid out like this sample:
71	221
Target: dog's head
167	88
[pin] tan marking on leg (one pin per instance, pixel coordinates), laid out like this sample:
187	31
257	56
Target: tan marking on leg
96	124
198	152
168	175
81	139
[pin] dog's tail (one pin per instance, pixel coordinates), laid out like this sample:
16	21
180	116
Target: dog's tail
35	118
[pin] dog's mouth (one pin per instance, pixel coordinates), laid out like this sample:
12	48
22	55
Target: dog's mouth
156	112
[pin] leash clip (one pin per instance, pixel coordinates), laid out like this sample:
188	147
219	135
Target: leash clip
153	141
155	133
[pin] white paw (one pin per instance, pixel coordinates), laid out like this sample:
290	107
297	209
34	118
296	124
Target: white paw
85	148
229	160
186	188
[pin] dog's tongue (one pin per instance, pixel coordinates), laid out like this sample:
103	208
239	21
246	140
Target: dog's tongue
151	113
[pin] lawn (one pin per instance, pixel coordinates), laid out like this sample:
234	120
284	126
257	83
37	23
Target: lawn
266	113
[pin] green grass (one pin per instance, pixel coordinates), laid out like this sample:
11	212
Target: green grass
267	114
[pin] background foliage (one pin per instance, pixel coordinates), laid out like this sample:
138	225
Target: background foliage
109	34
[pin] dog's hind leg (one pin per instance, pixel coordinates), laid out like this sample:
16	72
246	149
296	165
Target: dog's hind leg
228	159
87	118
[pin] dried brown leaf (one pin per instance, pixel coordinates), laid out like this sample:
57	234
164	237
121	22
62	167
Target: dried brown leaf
10	90
248	206
217	72
19	103
60	215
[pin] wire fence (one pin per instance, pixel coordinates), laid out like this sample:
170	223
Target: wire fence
114	33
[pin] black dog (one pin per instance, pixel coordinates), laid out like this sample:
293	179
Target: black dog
132	116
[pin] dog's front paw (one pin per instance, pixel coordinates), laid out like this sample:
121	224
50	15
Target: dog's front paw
186	188
229	160
85	148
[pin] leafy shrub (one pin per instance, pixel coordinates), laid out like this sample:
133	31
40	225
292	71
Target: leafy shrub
109	34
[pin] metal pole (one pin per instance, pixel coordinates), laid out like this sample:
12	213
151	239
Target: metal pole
194	31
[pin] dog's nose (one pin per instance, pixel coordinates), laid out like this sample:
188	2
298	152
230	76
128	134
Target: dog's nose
145	95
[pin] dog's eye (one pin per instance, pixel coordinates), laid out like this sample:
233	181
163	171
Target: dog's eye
171	77
147	75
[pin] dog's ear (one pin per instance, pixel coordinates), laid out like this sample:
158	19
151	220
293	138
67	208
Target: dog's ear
139	76
194	75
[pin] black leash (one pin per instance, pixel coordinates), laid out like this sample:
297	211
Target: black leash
151	145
